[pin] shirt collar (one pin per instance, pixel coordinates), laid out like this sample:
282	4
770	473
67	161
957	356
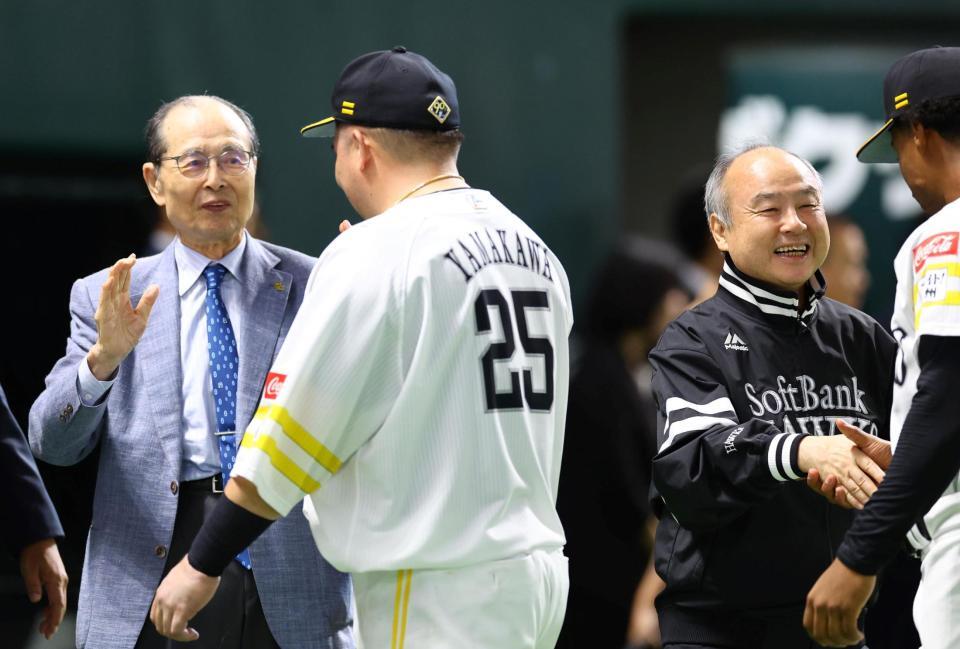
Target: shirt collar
770	300
190	263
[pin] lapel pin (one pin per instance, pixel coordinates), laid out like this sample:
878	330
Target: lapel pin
278	287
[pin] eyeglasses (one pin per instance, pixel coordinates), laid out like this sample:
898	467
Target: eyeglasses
194	164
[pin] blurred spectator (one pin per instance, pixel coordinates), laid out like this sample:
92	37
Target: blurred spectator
690	234
846	266
610	440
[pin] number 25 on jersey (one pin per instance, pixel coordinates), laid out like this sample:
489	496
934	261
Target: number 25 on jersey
522	300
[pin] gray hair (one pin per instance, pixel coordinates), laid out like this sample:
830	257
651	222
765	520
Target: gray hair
156	147
714	195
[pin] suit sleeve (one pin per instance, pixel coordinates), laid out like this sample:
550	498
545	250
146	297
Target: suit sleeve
62	429
26	513
710	466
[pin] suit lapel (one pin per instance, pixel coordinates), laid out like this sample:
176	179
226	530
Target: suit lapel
263	304
158	356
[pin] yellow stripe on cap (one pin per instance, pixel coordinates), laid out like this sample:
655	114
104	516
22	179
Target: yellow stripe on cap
901	104
901	100
301	436
322	122
346	111
281	462
349	104
901	96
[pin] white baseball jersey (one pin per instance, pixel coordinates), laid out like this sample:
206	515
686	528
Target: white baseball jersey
927	303
419	398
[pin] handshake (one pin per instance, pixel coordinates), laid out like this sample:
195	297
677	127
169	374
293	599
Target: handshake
846	469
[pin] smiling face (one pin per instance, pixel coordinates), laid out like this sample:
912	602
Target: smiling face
212	209
778	232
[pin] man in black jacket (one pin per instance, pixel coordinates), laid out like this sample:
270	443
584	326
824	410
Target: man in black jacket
750	386
29	522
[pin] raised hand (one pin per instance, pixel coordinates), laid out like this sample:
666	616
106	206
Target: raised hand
119	324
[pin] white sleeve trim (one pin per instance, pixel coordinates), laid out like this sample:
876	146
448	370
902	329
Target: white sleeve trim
723	404
693	424
781	448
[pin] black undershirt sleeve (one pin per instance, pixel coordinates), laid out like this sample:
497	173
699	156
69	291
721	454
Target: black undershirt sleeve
227	531
927	458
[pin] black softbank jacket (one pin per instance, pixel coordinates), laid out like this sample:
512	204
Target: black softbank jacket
738	381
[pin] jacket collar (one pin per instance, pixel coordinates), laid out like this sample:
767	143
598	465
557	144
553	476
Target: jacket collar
774	303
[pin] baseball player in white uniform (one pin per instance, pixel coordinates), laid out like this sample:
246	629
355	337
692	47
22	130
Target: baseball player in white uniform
419	400
919	496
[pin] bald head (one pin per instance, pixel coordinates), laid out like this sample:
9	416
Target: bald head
716	197
156	143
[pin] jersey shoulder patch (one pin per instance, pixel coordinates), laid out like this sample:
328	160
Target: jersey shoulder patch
941	244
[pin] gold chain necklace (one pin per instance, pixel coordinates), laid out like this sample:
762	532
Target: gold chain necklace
429	182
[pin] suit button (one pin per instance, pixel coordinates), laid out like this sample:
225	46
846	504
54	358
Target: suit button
160	551
174	487
66	412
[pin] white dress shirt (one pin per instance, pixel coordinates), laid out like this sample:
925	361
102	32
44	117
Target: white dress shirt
201	454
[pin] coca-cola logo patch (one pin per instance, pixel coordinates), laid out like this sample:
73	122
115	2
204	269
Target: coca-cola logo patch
272	387
938	245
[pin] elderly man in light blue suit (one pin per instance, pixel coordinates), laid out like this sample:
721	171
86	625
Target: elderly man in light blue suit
163	386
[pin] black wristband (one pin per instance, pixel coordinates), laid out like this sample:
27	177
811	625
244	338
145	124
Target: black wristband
226	532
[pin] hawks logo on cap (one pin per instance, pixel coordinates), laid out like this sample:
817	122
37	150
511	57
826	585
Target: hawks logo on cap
439	109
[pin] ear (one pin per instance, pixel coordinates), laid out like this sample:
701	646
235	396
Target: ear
365	148
151	176
920	135
719	231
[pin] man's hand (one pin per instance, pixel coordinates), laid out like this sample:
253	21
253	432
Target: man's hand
835	456
43	570
119	325
877	450
828	488
834	604
181	595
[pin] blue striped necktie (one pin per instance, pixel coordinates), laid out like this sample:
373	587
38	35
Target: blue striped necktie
224	367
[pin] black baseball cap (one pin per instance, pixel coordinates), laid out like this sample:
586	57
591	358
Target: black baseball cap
391	89
917	77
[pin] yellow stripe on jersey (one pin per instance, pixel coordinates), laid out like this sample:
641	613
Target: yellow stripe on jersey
301	436
952	299
953	269
406	602
281	462
400	607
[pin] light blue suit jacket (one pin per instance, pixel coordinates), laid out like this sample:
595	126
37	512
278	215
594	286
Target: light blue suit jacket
138	426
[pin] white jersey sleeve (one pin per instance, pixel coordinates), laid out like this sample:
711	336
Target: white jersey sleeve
935	266
333	381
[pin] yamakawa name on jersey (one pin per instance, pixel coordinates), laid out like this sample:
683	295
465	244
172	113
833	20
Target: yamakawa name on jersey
483	247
